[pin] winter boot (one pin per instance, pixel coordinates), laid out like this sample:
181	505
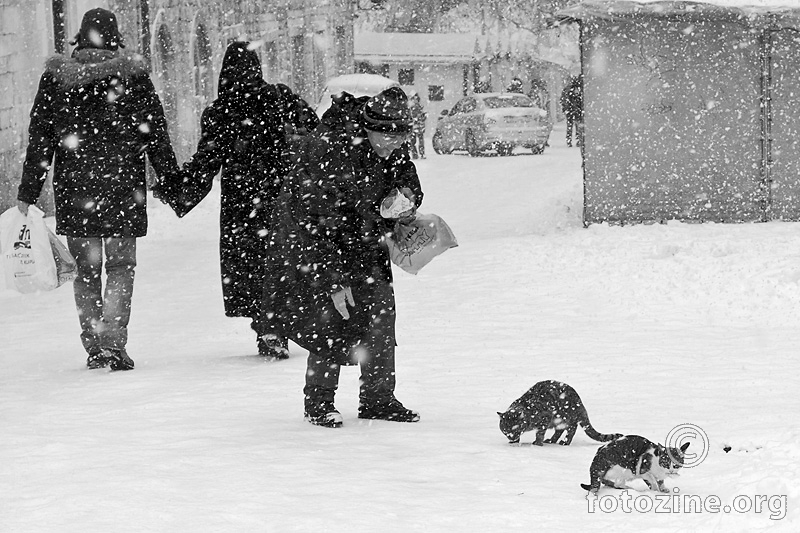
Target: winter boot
273	347
97	359
118	359
391	410
323	413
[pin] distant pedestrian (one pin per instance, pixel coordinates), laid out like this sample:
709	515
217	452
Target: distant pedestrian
418	119
539	94
97	115
515	86
245	134
572	105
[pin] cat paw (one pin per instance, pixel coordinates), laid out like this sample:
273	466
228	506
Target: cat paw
538	443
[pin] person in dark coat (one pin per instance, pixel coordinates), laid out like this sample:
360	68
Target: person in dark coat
418	119
97	115
245	134
572	105
329	279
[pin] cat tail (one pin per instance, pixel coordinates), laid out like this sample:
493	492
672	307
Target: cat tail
593	433
584	486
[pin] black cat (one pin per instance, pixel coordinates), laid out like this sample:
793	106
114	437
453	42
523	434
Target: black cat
631	457
549	404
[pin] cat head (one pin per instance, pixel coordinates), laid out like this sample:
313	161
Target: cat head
511	424
671	459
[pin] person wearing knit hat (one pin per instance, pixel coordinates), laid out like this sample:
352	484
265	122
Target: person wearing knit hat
99	30
328	282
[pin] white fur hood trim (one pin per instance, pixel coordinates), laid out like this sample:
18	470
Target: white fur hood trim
90	65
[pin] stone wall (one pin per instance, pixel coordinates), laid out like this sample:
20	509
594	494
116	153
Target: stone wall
26	39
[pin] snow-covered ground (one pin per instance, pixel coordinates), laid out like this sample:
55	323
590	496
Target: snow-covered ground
654	325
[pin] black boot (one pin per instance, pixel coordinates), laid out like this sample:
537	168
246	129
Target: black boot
118	359
322	413
273	347
391	410
97	359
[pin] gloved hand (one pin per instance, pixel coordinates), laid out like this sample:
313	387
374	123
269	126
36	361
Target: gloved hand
340	300
23	207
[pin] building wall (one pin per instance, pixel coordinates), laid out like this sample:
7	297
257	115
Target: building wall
25	41
301	43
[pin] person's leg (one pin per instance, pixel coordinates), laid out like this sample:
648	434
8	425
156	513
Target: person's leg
120	265
376	353
569	130
421	138
413	145
87	287
322	380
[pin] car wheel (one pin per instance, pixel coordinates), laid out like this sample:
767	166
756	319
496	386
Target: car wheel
504	149
472	145
537	149
437	144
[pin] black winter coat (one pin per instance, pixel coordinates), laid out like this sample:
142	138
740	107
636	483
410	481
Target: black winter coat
97	115
327	233
244	135
572	100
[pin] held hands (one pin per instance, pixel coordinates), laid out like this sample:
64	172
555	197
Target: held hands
23	207
340	300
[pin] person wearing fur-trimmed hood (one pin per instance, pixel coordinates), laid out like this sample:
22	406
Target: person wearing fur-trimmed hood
96	118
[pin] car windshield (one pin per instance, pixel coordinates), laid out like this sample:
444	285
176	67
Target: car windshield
516	100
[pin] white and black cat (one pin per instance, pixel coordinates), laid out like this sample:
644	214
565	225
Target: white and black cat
634	457
549	404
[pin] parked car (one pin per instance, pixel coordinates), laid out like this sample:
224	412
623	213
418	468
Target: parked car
355	84
492	121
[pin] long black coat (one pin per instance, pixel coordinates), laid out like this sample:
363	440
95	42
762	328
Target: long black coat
244	135
327	233
97	115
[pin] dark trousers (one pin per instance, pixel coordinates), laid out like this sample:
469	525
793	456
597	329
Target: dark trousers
103	316
574	123
375	318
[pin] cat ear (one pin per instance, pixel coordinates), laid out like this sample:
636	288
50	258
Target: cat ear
683	448
499	414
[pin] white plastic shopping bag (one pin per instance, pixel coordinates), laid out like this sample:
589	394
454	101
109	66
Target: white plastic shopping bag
415	243
27	254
